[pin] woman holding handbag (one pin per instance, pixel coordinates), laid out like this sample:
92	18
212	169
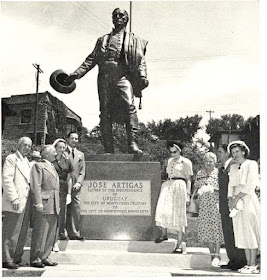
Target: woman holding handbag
209	218
193	205
171	206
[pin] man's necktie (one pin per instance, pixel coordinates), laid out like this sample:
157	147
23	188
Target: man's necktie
72	153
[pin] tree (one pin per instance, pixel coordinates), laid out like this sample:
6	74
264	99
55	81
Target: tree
152	140
183	129
252	136
225	122
85	135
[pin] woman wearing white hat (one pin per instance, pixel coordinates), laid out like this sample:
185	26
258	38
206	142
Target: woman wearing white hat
243	180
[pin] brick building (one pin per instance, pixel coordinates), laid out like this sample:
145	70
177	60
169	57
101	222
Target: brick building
54	118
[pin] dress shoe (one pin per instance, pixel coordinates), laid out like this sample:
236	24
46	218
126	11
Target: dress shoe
18	262
216	262
177	251
63	237
81	238
55	248
49	263
38	265
225	266
10	265
160	239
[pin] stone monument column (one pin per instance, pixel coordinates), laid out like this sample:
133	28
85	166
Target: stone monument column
119	197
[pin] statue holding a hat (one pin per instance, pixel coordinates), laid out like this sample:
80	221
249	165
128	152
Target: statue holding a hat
120	56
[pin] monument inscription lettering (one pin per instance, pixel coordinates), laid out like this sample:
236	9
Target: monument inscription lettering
120	197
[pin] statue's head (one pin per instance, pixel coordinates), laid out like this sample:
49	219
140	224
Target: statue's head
120	18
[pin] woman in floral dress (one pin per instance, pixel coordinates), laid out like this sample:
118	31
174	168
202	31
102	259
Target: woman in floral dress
171	206
209	218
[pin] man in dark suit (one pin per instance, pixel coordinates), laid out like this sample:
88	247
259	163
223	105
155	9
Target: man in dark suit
73	221
45	198
237	258
16	203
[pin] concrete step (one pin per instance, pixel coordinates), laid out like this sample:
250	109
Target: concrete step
124	259
129	271
63	270
118	246
134	253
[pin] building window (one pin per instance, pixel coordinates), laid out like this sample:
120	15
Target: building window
26	116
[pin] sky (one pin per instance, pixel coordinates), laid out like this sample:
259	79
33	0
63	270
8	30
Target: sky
201	55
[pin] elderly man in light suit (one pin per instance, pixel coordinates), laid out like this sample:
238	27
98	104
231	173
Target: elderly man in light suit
73	221
15	203
45	198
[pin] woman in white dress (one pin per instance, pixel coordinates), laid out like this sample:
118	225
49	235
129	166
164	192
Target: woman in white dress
171	206
245	206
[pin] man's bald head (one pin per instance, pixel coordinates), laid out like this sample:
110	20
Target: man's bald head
48	152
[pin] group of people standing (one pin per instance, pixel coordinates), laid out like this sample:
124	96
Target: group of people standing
36	194
45	194
229	209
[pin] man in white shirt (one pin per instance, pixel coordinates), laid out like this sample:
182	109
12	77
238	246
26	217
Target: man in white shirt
15	204
73	220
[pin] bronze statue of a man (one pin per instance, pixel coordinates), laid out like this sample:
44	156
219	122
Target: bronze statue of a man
120	56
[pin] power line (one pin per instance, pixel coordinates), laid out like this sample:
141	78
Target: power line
82	9
78	3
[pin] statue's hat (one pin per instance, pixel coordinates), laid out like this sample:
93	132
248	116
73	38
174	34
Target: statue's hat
58	82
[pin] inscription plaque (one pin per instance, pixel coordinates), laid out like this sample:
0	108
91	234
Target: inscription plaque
116	197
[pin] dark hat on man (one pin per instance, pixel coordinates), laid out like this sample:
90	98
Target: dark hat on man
58	82
175	143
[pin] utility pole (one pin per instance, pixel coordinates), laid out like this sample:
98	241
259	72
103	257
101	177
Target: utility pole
131	7
210	112
39	70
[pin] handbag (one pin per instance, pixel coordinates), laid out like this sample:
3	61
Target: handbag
193	205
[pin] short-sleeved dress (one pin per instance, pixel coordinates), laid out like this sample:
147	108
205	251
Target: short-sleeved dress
209	217
171	206
246	224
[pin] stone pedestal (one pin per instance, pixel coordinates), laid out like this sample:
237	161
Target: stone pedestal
119	197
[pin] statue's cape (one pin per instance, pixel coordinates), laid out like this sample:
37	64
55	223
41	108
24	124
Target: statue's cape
134	51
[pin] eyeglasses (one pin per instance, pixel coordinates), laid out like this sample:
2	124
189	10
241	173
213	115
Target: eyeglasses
119	15
173	152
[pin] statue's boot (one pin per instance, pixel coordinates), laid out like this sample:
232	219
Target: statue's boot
106	135
132	129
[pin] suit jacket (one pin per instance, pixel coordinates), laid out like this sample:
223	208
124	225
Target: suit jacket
78	164
16	179
134	49
45	187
